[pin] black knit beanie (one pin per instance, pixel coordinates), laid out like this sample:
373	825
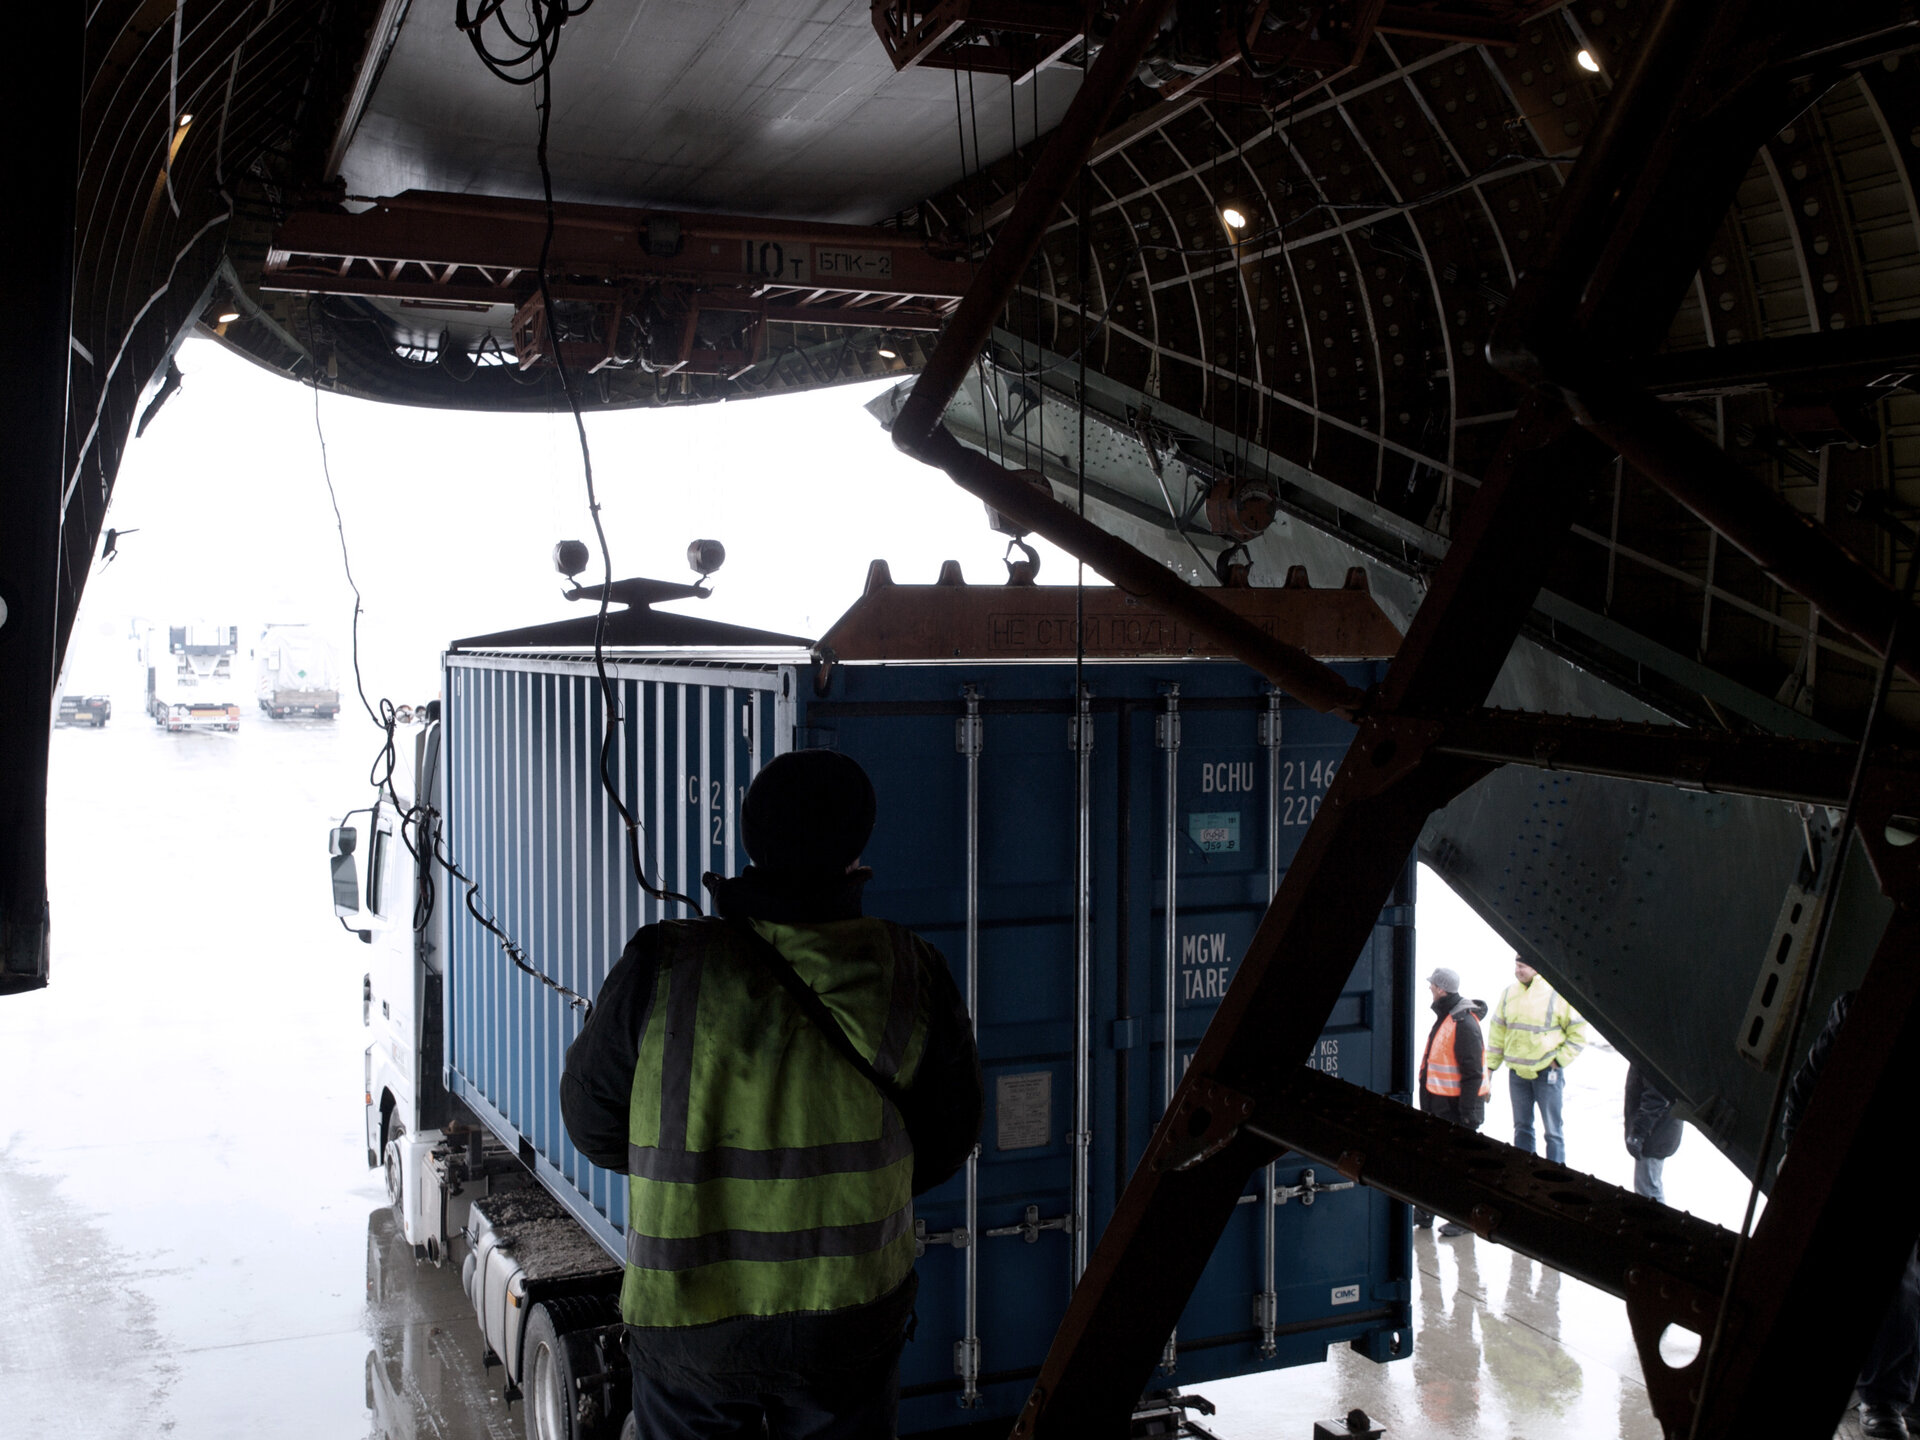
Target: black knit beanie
808	810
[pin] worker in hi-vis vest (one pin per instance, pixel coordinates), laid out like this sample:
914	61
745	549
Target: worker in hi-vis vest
1453	1074
1537	1034
778	1082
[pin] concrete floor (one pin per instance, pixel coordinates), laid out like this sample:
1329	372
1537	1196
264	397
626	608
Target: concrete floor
187	1223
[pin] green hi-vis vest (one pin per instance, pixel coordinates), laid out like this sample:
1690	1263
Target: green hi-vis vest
766	1174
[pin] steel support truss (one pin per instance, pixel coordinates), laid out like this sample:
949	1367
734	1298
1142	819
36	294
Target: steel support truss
1713	81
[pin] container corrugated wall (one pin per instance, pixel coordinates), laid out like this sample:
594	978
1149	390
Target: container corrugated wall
527	818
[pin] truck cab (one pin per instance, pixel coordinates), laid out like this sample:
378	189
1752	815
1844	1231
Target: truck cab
190	682
543	1293
383	893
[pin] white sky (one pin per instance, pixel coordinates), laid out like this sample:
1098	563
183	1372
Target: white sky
451	518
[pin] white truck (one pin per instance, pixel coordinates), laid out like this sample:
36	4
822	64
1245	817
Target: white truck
296	674
190	680
543	1290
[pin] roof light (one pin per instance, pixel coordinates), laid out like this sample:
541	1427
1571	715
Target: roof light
887	352
229	317
185	120
1235	220
1587	62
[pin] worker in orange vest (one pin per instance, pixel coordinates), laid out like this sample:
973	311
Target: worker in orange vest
1453	1073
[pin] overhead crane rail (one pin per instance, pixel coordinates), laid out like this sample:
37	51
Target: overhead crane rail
668	291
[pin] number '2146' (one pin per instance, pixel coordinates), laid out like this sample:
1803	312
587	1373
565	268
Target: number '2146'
1300	775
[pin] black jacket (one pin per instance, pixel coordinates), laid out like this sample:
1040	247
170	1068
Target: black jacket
1469	1107
1653	1130
597	1088
1800	1090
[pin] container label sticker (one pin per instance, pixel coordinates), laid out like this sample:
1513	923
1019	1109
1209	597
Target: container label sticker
1346	1294
1023	1110
1215	830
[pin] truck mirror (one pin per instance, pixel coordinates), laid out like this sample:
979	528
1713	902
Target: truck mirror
346	879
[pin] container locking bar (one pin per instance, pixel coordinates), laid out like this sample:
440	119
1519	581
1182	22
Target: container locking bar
958	1237
1310	1185
1029	1228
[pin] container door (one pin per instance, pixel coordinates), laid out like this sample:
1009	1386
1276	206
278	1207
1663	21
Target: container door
1309	1258
529	819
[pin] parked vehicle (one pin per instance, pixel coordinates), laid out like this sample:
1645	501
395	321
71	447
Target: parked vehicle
1193	783
191	684
296	673
94	710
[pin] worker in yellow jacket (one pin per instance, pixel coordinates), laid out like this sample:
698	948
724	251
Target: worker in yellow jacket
1537	1034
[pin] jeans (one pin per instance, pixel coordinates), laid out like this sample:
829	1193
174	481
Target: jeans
1545	1090
1646	1178
1892	1367
857	1405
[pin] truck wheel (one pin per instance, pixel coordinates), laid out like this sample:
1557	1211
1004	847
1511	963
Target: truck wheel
630	1430
556	1351
552	1406
395	1168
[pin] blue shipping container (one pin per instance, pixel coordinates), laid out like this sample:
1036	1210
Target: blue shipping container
1200	783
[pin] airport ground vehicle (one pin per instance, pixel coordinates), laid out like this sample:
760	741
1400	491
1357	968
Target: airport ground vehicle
93	710
295	673
1092	864
190	682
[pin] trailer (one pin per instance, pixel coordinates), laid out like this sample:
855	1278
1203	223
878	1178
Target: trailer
1080	808
190	683
295	673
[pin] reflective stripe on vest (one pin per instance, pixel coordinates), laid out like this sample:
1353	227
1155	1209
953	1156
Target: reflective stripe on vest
766	1174
1442	1066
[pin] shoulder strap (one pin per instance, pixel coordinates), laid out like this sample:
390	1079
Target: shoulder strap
815	1009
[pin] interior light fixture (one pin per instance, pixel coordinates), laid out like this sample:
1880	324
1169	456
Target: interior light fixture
1587	62
1235	220
185	120
887	352
229	317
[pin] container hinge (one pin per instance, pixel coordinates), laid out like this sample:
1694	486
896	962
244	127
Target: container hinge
1268	726
1266	1318
966	1364
1309	1186
959	1237
1029	1229
968	734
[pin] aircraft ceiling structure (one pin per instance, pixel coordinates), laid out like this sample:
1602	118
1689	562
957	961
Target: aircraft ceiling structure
1313	383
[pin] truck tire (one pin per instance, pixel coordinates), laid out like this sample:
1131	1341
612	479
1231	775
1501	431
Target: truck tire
557	1350
630	1430
395	1170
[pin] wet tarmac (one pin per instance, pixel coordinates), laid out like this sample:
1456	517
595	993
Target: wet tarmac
192	1244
